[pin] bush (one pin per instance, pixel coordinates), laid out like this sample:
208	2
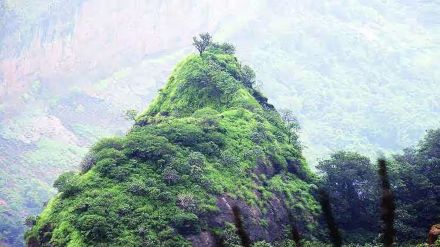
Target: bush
88	162
226	48
112	169
67	183
95	227
187	202
186	223
170	176
248	76
208	148
148	147
231	239
261	244
137	188
114	142
228	158
196	163
30	221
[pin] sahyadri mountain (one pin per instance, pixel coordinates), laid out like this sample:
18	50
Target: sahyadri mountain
208	143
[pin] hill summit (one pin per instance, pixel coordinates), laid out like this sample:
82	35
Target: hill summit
208	147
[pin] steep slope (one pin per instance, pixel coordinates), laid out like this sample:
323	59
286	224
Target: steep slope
207	143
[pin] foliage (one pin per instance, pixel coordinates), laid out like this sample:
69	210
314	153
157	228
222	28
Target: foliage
160	182
351	182
67	184
131	114
353	84
186	223
202	43
248	76
226	48
88	162
416	178
353	186
292	126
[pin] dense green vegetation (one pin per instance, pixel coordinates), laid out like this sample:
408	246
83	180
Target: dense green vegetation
414	175
208	137
359	75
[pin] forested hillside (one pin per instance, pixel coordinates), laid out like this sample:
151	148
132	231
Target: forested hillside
207	148
359	75
352	182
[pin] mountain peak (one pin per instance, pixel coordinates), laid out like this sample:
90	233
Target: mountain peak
207	144
214	79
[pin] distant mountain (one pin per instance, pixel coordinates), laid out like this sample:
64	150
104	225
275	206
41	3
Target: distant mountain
360	75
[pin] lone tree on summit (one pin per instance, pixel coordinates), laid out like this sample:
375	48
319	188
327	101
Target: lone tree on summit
203	43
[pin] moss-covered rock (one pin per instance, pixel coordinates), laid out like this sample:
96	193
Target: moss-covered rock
207	143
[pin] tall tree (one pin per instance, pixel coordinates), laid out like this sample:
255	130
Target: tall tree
416	182
351	182
203	42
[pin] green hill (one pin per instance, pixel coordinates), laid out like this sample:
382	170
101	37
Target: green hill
208	142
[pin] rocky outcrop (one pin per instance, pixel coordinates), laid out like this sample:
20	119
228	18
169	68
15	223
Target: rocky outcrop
433	235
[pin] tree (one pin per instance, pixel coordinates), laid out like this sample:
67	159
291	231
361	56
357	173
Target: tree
170	176
95	227
416	182
131	114
88	162
222	48
67	183
248	76
292	125
30	221
351	182
187	202
196	162
186	223
202	43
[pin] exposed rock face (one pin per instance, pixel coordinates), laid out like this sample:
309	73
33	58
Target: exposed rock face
433	234
276	217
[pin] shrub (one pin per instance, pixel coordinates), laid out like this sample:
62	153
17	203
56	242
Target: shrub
196	163
170	176
67	183
230	236
226	48
95	227
114	142
110	168
138	188
130	114
208	148
258	137
186	223
88	162
30	221
228	158
187	202
248	76
185	134
165	196
148	147
261	244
